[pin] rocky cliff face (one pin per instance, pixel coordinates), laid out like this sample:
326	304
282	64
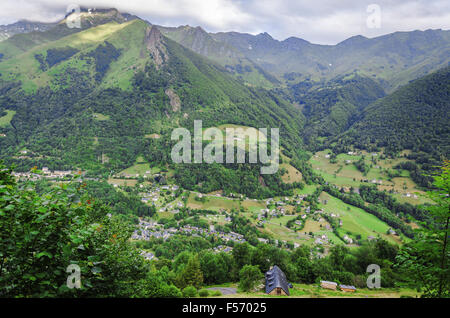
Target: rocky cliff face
154	43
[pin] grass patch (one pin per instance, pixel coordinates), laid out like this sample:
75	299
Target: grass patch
100	117
315	291
122	182
212	203
292	175
140	169
6	120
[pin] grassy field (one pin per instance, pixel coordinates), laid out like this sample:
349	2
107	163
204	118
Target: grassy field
166	215
421	199
6	120
355	220
140	169
122	182
129	40
315	291
152	136
215	219
253	206
314	226
212	203
308	189
292	175
344	173
283	233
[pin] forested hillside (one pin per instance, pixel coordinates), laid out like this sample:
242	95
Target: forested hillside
91	99
415	117
330	109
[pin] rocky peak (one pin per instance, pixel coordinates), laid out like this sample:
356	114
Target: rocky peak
154	43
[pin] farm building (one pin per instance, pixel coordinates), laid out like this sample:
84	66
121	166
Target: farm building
328	285
276	282
347	288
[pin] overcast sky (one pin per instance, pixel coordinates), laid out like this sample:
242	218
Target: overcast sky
318	21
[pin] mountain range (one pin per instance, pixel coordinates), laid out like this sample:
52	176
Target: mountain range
71	96
392	60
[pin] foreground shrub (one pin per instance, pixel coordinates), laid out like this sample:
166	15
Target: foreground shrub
190	292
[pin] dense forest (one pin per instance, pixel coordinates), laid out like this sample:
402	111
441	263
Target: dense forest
331	108
414	117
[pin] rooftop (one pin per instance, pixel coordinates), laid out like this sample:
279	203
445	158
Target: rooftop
275	278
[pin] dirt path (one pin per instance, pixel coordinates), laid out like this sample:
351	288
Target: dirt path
225	290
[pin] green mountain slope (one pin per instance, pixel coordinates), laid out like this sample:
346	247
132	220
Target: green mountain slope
199	41
35	34
333	107
414	117
89	99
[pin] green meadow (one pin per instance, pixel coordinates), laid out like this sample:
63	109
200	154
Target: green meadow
6	120
355	220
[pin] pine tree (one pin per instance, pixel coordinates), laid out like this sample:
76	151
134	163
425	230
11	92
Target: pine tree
193	275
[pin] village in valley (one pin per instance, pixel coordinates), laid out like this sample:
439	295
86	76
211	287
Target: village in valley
287	222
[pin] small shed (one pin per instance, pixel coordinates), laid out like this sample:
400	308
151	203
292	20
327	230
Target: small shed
347	288
328	285
276	282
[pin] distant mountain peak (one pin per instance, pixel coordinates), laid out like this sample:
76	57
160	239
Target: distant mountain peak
294	43
357	39
265	35
294	39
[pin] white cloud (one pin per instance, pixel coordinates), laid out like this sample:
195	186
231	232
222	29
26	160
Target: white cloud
319	21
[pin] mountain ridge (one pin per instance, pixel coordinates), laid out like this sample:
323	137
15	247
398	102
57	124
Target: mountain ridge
260	60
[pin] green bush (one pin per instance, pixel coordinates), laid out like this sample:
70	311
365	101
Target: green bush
172	292
190	292
203	293
249	277
216	293
41	234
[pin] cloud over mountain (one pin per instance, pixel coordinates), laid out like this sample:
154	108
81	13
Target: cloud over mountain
325	21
